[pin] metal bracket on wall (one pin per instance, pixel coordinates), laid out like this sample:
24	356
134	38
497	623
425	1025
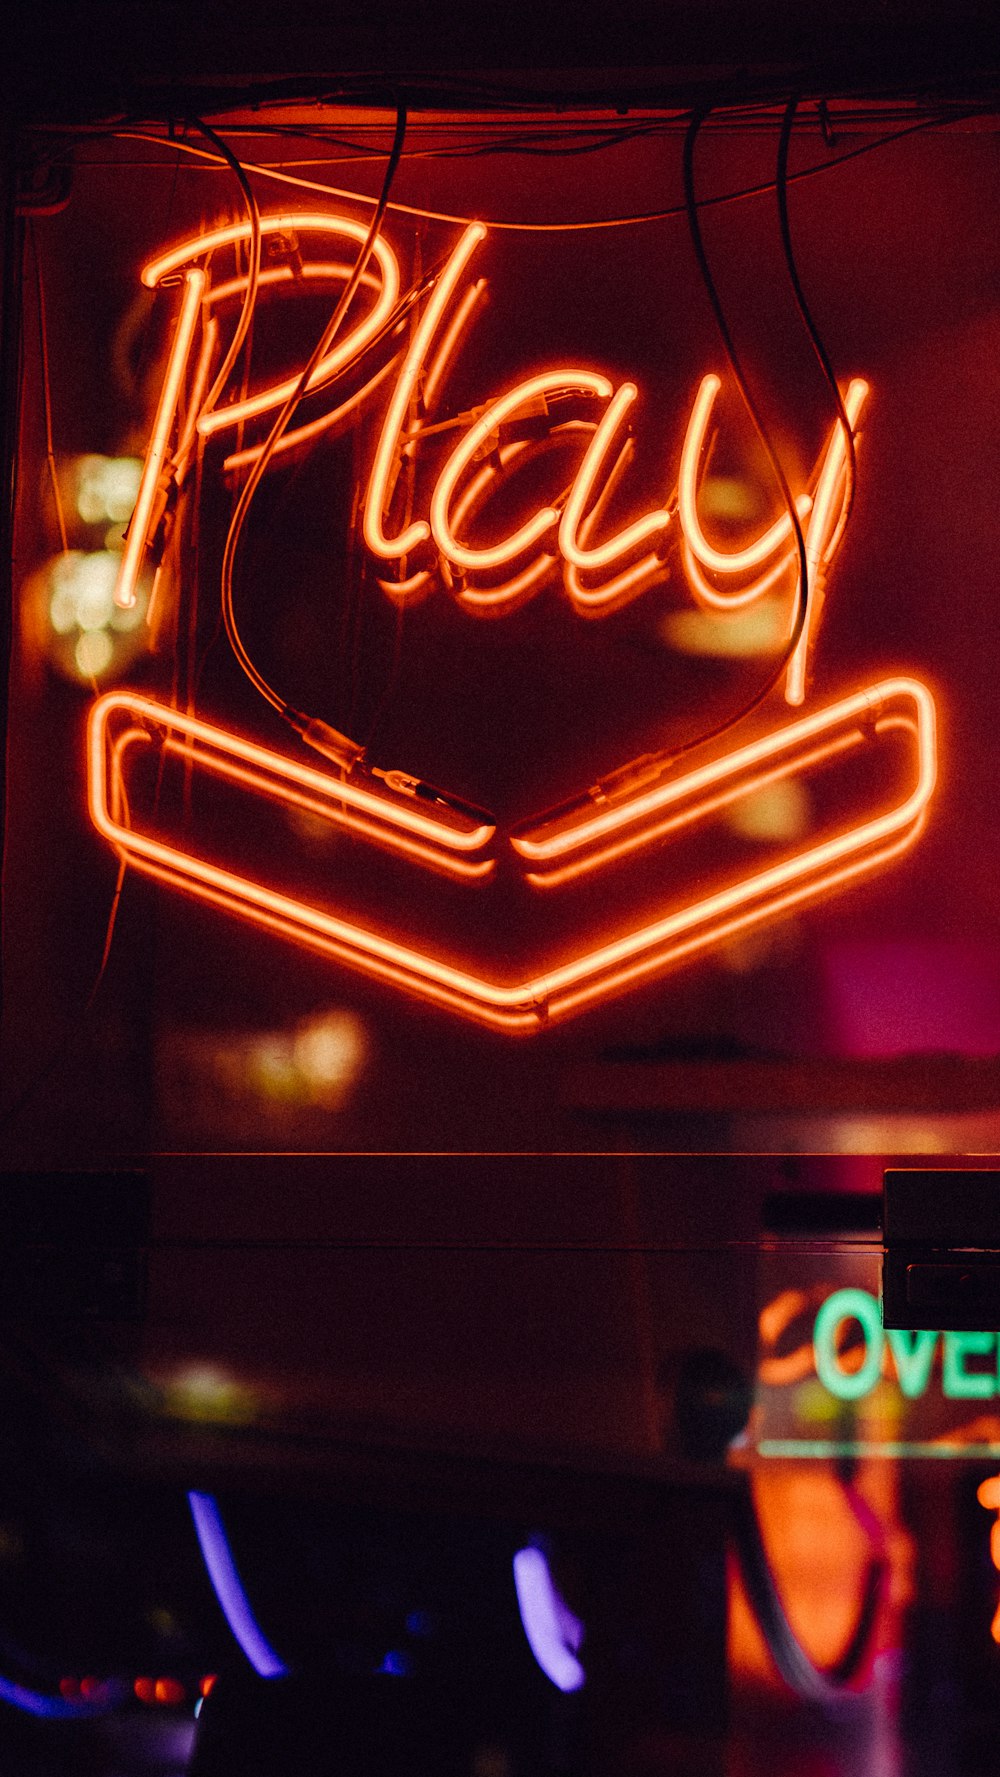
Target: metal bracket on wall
941	1252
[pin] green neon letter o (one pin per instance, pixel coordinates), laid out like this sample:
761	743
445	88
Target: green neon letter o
848	1385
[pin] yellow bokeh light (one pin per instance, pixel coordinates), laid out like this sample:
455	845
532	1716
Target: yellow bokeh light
777	811
328	1052
93	653
760	629
106	488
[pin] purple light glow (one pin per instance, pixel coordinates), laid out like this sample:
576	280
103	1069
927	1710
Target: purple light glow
554	1634
228	1586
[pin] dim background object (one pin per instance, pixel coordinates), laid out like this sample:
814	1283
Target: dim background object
72	1245
941	1264
322	1727
642	52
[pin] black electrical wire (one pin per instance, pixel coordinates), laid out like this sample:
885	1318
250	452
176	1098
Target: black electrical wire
746	393
125	132
669	756
253	271
257	472
759	697
781	191
691	209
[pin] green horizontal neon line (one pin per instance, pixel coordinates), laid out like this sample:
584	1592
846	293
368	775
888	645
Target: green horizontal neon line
827	1447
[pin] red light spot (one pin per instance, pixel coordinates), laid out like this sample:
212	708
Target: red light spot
169	1690
145	1690
89	1687
208	1682
69	1688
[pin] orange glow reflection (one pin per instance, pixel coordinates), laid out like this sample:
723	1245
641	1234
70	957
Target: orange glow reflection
988	1495
821	1537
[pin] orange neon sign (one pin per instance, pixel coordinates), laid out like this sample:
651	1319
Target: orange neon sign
554	992
417	374
651	801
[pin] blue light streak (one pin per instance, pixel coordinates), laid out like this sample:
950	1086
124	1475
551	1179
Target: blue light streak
228	1586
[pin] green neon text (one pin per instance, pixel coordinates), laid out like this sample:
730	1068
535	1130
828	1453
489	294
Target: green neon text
912	1354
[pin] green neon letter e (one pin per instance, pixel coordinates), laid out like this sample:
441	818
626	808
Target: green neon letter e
958	1383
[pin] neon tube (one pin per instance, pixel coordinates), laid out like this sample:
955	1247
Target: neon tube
592	974
199	383
524	1009
404	589
285	222
610	595
347	348
533	389
221	766
322	270
228	1588
554	1634
600	601
792	766
822	535
712	600
738	561
580	827
156	455
387	449
442	357
681	949
496	601
243	459
456	833
653	524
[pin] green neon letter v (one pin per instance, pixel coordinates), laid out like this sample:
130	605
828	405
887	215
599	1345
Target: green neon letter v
913	1355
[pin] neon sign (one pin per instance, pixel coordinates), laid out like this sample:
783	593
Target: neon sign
649	801
832	1381
912	1354
758	565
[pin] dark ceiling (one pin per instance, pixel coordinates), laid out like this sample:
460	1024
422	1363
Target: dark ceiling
107	56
